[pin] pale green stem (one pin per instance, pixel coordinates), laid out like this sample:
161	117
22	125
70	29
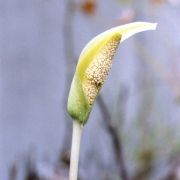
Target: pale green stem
75	148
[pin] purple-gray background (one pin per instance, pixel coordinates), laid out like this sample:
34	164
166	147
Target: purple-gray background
33	83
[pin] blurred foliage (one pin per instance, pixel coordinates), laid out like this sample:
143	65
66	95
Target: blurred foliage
89	7
157	2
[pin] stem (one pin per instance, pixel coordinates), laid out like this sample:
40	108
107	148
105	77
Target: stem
116	139
75	148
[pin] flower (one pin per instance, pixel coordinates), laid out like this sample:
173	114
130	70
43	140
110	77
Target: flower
93	67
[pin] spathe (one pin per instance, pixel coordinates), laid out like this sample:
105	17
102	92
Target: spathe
93	67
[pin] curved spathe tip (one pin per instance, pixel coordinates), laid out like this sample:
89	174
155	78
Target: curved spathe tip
128	30
125	31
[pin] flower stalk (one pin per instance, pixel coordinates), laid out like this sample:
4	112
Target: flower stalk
75	149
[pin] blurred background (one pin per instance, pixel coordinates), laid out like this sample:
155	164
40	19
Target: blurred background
134	128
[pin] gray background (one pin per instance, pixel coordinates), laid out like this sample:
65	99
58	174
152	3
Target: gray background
35	75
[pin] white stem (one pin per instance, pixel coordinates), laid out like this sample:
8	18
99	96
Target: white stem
75	148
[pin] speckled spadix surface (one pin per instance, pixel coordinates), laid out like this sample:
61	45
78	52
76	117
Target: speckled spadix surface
94	65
